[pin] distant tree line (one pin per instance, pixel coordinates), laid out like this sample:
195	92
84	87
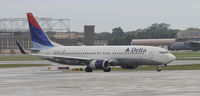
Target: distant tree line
119	37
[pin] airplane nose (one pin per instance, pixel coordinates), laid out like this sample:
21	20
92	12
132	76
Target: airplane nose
172	57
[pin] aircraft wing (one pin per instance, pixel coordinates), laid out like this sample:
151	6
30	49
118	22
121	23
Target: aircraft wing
194	42
62	59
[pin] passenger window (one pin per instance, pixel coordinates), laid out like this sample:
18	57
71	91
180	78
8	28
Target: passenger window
163	52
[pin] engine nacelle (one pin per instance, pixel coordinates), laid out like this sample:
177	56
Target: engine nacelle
99	64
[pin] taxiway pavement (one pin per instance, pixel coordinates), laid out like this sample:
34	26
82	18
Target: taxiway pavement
38	81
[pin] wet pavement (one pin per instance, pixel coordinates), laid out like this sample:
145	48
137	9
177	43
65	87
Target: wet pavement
38	81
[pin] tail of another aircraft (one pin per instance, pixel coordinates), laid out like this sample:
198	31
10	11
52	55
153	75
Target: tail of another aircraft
39	39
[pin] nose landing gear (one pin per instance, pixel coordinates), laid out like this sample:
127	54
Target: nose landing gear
158	69
160	66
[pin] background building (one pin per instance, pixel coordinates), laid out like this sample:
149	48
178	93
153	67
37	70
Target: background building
58	30
101	42
16	29
191	34
164	43
8	39
89	34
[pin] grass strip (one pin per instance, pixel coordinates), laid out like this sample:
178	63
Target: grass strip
18	58
170	67
186	55
21	65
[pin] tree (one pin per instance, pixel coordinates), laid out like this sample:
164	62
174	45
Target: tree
159	31
119	37
118	32
103	36
129	36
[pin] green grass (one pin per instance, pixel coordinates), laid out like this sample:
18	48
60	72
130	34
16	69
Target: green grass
176	67
170	67
18	58
187	55
148	68
21	65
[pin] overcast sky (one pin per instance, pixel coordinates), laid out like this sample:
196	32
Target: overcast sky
108	14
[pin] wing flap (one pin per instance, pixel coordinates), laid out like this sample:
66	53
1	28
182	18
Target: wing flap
54	57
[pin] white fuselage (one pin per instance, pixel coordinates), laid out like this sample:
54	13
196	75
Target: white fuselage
143	55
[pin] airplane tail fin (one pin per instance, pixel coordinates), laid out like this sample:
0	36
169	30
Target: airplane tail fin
20	48
39	39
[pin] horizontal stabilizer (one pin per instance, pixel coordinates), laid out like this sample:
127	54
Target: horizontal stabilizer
20	48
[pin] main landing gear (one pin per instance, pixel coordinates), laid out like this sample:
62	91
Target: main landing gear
107	70
88	69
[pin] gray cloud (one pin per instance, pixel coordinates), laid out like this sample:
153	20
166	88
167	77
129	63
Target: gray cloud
107	14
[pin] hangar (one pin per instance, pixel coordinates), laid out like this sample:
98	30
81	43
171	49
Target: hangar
58	30
164	43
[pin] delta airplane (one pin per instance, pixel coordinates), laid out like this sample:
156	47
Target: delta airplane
95	57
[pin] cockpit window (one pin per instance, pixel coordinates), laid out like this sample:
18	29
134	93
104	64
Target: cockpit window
163	52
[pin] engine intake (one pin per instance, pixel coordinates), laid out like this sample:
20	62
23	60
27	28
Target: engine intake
99	64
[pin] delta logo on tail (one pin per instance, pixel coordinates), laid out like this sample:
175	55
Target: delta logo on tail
39	38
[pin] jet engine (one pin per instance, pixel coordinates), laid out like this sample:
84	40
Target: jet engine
98	64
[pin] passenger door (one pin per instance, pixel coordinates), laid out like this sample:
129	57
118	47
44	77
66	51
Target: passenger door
151	55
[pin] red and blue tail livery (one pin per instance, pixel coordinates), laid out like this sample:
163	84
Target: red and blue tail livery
39	38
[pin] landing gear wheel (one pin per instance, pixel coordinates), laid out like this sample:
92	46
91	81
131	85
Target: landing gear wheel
88	69
158	69
107	70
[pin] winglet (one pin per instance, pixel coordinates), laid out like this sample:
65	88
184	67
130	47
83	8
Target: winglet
20	48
